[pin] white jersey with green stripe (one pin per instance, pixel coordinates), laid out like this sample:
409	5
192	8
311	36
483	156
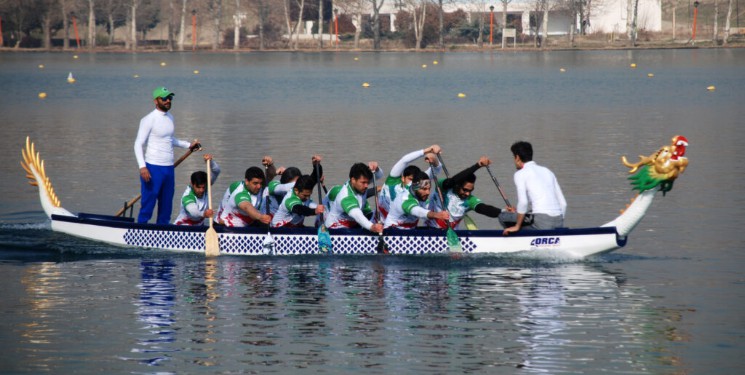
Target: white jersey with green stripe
192	208
394	186
406	211
230	213
284	217
343	202
456	206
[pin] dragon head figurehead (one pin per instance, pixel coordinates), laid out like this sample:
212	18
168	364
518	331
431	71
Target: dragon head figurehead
661	168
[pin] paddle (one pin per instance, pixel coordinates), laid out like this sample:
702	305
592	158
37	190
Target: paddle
470	224
268	243
498	187
382	247
211	241
452	237
134	200
324	238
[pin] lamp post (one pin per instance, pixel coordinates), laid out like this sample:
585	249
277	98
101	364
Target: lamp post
491	24
193	29
336	26
695	15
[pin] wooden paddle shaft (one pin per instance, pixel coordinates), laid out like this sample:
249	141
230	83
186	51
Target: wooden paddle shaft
181	159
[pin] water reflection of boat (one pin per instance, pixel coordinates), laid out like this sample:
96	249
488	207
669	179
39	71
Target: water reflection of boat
569	242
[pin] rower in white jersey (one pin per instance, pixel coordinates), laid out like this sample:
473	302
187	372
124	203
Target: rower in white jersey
412	204
297	204
242	204
459	199
347	207
402	173
194	210
279	189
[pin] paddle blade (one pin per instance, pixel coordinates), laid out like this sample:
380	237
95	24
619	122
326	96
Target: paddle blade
470	224
212	243
453	241
324	241
382	246
268	244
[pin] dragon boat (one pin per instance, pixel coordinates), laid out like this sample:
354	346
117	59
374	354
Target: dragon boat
650	175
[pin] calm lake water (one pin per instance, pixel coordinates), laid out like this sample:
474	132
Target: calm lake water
671	302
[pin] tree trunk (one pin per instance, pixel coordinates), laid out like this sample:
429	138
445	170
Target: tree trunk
441	41
111	28
217	16
358	31
182	27
299	23
237	17
91	25
320	24
262	19
716	22
504	18
171	25
288	21
481	29
544	41
376	23
634	24
46	27
65	26
727	22
134	25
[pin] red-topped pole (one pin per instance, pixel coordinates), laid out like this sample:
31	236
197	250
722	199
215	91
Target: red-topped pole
75	27
491	24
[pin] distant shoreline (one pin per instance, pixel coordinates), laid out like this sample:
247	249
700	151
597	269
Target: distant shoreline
555	46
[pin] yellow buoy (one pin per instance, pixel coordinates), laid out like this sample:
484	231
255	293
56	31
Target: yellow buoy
562	70
136	76
650	75
365	84
424	66
632	65
356	59
196	72
70	78
435	62
162	63
42	95
74	56
461	95
711	88
41	66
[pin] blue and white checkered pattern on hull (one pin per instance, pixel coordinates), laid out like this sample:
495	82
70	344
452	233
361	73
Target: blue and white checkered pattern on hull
286	244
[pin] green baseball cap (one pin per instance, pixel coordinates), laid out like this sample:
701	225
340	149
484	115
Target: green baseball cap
161	92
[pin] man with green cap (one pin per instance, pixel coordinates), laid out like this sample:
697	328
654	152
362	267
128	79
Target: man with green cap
157	177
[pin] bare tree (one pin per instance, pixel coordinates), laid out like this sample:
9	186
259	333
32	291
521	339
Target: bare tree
320	24
113	12
355	8
504	17
376	5
633	20
299	23
182	25
418	9
727	22
65	10
91	24
215	9
716	22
